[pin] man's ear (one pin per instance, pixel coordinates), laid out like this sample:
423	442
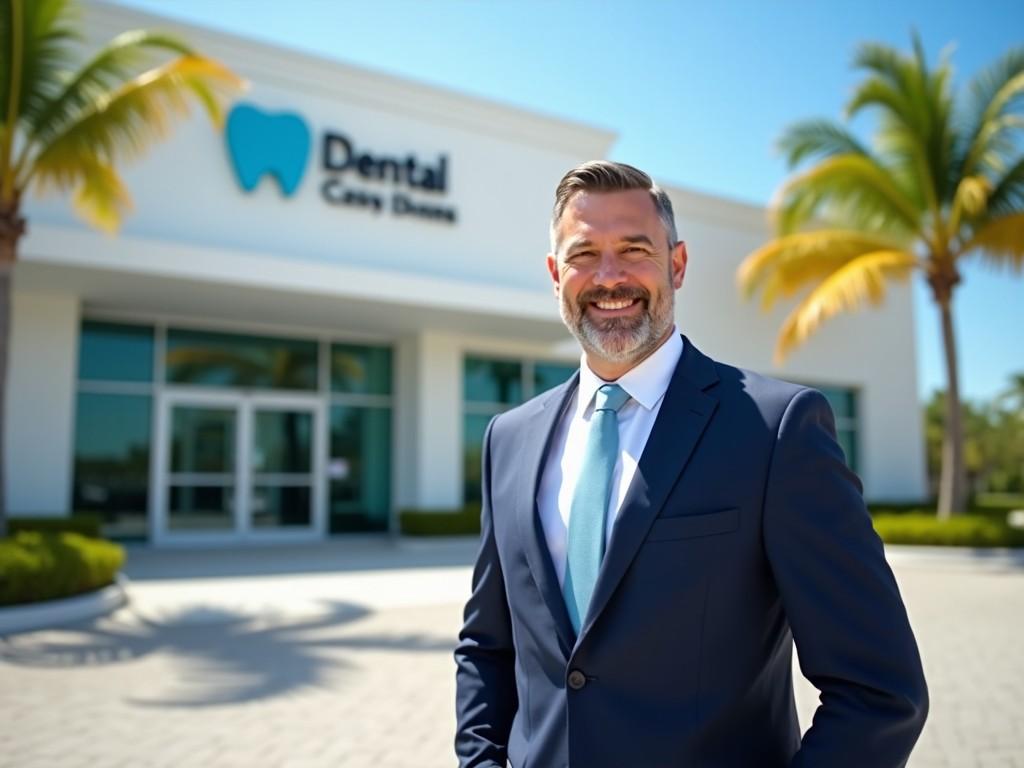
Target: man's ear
556	278
678	259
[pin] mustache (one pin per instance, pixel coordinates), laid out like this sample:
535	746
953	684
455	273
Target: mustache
625	293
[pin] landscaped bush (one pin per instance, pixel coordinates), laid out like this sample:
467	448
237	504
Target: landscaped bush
974	530
460	522
37	566
86	525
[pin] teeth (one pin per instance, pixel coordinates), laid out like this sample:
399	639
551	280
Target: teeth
613	304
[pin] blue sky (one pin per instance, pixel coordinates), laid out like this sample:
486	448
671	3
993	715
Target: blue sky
697	92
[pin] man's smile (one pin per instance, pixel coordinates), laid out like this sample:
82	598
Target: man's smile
606	308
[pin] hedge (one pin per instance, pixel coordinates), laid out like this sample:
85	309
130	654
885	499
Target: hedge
86	525
973	530
449	522
37	566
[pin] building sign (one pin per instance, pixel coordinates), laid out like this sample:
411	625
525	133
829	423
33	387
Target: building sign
262	143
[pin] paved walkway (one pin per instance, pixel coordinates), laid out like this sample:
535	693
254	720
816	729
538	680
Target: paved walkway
340	655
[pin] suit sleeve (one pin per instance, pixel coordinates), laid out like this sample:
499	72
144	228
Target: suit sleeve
849	623
485	699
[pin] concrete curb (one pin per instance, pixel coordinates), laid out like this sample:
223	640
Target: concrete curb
998	558
53	613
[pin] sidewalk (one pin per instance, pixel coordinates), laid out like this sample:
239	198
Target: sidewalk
339	654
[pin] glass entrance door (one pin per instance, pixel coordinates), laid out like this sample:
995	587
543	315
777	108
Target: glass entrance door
238	467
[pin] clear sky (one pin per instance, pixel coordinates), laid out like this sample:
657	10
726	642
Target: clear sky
697	92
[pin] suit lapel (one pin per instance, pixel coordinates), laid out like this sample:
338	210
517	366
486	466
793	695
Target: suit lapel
536	446
685	413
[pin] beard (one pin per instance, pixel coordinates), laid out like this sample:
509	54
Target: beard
619	339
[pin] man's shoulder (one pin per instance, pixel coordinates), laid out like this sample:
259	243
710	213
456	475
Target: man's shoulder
771	395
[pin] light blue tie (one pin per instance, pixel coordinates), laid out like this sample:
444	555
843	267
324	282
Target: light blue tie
589	508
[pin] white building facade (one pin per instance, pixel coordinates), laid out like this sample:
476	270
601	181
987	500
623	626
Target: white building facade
310	316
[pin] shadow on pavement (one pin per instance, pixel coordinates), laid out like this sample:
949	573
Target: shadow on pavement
227	657
352	553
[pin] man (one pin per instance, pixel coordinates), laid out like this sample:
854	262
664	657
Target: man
658	531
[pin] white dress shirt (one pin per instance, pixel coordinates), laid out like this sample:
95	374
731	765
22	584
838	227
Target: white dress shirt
646	385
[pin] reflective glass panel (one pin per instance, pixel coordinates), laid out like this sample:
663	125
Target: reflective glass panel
493	381
202	440
115	352
841	400
549	375
361	369
359	469
282	441
282	506
847	439
474	426
112	461
201	508
231	360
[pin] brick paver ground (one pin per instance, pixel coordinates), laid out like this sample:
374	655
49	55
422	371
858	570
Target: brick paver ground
282	659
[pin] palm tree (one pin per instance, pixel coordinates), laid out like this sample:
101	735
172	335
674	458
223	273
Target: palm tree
942	180
66	129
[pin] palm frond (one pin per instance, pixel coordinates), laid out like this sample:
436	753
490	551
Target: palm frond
1008	194
1000	242
838	182
856	283
120	60
47	28
996	92
785	265
125	123
101	197
817	138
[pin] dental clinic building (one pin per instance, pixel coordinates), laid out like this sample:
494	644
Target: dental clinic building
311	315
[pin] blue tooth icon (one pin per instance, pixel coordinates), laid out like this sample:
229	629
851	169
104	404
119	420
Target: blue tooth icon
262	142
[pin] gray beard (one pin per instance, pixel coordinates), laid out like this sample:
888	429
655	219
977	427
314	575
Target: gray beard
618	340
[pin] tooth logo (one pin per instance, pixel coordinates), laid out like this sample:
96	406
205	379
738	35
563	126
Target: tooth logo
262	143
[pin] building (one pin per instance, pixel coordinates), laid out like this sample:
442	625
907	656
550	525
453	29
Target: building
307	321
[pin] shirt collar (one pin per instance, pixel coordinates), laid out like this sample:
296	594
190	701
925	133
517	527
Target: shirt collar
646	383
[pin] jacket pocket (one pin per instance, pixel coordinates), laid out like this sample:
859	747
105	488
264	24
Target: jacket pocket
692	526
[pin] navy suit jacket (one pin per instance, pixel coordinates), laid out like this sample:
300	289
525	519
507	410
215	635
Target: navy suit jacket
742	531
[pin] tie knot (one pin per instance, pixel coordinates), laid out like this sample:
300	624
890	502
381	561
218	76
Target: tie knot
610	397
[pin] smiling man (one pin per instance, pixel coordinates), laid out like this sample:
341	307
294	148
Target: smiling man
659	530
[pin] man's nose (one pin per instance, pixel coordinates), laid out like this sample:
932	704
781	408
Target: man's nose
609	271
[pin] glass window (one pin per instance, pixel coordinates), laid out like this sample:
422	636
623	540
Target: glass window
232	360
549	375
473	428
841	400
493	381
202	440
112	461
115	352
282	442
361	369
359	469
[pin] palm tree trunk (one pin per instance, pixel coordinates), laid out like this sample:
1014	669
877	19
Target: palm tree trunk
12	227
6	264
953	479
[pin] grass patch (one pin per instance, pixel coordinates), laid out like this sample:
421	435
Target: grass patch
36	566
448	522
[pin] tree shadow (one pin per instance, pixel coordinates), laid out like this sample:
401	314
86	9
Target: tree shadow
228	657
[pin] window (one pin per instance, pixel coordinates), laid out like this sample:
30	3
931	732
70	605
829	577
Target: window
844	406
359	464
490	386
113	426
213	359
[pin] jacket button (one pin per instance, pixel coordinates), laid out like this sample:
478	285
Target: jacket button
577	680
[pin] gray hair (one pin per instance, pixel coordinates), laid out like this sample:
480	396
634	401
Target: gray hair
606	176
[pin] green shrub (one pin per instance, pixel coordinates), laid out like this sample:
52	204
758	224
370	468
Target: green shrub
962	531
86	525
459	522
38	566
